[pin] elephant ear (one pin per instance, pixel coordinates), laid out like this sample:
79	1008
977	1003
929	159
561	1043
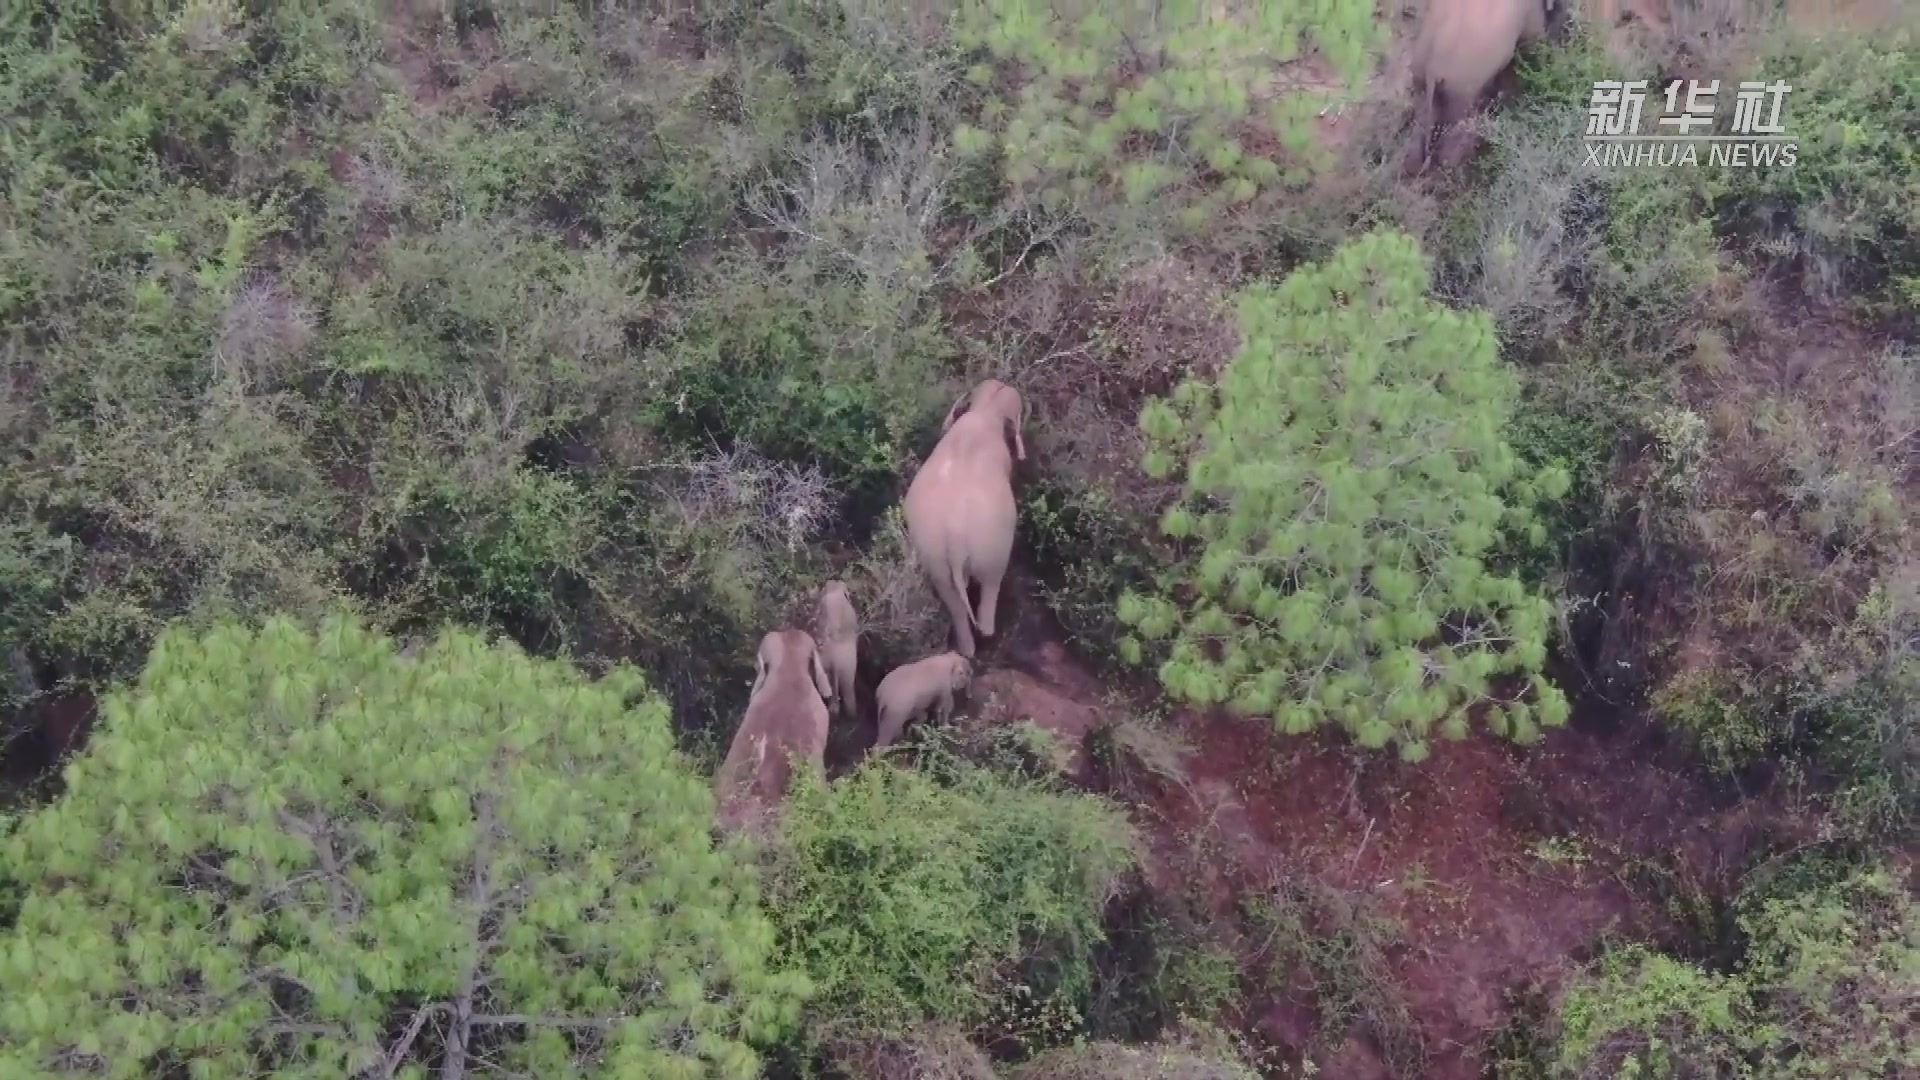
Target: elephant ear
760	667
1019	420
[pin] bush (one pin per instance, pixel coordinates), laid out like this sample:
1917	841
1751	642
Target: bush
830	350
1088	551
1644	1014
909	900
346	303
1149	111
1825	988
287	851
506	550
1867	734
1850	207
1347	485
1731	723
1833	972
1341	950
1197	1052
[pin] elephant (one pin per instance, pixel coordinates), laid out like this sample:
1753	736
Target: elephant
1462	47
837	627
910	689
959	508
786	714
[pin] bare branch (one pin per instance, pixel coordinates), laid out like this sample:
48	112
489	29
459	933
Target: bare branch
346	900
460	1031
398	1052
567	1023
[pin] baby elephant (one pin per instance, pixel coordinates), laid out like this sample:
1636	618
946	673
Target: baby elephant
786	714
910	689
837	627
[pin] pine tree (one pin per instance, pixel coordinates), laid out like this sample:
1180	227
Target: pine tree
1347	482
1155	102
301	854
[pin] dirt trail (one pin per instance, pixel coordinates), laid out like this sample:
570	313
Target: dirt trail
1503	867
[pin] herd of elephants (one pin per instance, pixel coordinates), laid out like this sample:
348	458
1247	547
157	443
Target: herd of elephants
960	510
960	516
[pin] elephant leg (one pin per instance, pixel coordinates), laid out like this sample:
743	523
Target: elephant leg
953	594
890	725
989	578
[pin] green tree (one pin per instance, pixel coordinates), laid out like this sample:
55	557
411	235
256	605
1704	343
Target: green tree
1347	483
303	854
1156	101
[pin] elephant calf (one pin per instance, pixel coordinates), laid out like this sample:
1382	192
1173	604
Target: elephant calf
786	714
838	627
909	690
1463	46
959	508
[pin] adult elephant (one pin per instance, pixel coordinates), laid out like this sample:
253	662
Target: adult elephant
1463	45
960	510
786	722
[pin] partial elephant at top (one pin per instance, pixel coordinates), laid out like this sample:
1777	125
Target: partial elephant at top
960	510
1463	45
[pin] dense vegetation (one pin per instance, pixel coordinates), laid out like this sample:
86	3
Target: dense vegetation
1347	479
411	416
443	846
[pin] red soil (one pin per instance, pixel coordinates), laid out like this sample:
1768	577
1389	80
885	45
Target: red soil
1444	849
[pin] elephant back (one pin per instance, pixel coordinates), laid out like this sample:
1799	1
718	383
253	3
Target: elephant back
977	443
785	718
1464	43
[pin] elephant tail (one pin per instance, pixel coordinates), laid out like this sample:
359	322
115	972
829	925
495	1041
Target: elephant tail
960	590
1423	124
951	586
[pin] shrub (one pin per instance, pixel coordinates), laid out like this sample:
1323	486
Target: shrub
901	620
783	370
1644	1014
1731	723
1338	947
1196	1052
1833	971
938	1053
1867	733
34	565
909	900
829	351
1152	105
302	853
1347	484
1634	247
507	551
1825	988
1088	551
1850	206
862	66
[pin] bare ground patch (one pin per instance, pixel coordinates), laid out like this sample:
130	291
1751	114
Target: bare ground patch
1500	869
